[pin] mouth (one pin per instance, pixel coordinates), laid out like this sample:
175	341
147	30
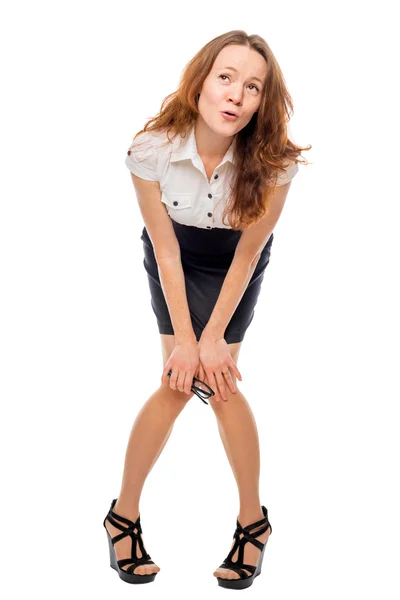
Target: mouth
229	115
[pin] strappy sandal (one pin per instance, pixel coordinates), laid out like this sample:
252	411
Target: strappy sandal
245	580
128	575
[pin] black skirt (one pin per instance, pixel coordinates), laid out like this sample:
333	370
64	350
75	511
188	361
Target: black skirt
206	255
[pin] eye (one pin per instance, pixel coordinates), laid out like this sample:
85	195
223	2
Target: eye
251	84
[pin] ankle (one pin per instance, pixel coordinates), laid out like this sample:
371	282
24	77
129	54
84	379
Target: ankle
249	515
128	510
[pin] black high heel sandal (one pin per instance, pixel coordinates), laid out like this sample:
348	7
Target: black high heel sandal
245	580
128	575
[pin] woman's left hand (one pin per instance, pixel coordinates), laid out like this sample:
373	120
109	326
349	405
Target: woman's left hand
215	362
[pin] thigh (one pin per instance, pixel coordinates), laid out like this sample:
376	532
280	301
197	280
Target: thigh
234	350
167	345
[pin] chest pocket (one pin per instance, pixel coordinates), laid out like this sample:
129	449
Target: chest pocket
180	206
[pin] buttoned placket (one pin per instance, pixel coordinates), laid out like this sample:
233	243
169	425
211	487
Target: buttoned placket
198	163
188	150
210	214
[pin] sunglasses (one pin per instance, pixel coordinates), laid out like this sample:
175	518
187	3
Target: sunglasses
201	389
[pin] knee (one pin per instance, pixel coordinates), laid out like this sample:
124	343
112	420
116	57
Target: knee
175	397
218	406
222	406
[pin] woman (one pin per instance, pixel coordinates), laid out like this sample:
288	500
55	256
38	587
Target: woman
211	174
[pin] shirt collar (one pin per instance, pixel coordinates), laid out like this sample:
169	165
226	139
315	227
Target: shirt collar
187	149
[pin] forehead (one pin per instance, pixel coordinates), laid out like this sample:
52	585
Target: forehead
243	58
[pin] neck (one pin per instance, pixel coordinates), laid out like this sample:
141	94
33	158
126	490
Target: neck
209	144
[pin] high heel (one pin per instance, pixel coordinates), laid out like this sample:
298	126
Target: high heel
245	580
128	575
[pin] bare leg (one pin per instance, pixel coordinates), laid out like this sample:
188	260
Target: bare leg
238	431
150	432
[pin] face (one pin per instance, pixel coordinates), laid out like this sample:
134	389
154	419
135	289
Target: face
238	91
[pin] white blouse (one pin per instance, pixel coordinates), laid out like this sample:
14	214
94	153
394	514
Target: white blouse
190	198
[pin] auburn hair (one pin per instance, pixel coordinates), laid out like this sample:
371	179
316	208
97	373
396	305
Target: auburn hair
263	148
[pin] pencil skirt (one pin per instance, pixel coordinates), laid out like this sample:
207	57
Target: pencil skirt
206	255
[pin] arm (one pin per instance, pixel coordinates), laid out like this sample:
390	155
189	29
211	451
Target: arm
174	288
247	254
167	252
233	288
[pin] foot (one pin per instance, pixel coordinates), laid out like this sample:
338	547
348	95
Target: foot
123	548
251	553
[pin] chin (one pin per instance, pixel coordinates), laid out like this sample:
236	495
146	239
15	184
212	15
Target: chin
225	129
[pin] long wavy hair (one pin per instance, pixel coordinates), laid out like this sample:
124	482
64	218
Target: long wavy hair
263	148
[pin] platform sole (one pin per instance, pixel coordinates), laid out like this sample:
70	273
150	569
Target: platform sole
241	584
128	577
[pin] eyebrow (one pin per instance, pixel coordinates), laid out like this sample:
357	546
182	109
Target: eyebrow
233	69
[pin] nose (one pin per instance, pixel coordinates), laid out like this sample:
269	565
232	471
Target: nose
236	94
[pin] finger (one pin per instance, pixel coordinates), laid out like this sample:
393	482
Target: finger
204	377
180	382
221	385
164	377
213	384
173	379
235	370
188	382
202	374
229	380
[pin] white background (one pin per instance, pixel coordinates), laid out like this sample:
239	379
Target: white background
80	349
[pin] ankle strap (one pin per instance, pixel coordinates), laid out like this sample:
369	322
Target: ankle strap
113	515
251	536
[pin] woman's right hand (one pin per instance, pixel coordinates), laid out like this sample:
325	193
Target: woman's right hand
184	362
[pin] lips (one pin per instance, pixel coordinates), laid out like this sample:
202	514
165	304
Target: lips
230	112
229	117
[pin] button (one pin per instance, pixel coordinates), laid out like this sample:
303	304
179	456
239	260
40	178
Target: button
175	202
215	176
209	214
210	195
208	227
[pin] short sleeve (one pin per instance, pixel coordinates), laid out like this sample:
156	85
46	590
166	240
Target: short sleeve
287	175
141	158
